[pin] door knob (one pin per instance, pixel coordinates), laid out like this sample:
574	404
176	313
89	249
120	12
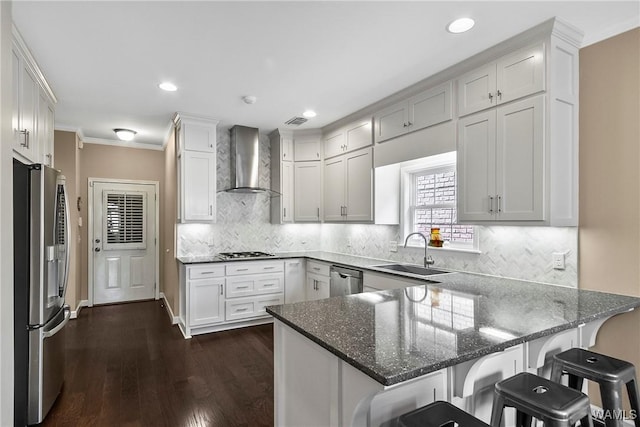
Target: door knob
97	249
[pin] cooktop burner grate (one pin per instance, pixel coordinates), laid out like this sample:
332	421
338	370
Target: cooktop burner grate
248	254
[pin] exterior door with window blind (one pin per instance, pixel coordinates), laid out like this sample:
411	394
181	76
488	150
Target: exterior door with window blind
123	241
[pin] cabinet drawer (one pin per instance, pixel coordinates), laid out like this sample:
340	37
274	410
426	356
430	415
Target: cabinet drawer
253	267
241	286
318	268
243	308
205	271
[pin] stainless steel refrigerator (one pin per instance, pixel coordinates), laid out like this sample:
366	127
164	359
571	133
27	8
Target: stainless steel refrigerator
41	265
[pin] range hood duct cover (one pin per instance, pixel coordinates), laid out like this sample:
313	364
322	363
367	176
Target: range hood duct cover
245	160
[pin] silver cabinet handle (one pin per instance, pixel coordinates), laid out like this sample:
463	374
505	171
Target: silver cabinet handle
210	209
345	211
242	309
207	272
242	269
316	268
221	289
490	205
404	125
25	141
268	268
410	124
490	97
284	155
268	285
499	94
499	203
284	212
318	155
318	212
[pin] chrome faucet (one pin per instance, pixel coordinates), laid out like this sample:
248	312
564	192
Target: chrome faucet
427	258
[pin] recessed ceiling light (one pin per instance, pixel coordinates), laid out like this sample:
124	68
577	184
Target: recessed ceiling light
309	113
461	25
125	134
168	86
249	99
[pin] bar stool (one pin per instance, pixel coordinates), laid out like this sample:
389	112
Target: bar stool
536	397
439	414
610	373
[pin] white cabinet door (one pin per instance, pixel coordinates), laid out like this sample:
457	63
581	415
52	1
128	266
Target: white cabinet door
206	303
477	89
26	95
198	186
287	148
359	135
520	74
520	160
306	149
359	186
197	136
476	166
430	107
334	189
45	129
334	144
391	121
317	287
287	191
307	190
294	280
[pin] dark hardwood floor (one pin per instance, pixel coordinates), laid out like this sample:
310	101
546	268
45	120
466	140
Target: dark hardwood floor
127	366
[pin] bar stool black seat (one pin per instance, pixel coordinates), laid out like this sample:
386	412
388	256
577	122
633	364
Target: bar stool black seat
537	397
610	373
439	414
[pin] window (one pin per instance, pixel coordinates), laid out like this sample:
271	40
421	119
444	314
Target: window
125	220
430	202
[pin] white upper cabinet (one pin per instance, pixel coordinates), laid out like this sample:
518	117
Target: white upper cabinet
33	107
307	190
348	187
352	137
509	78
196	151
281	177
307	147
422	110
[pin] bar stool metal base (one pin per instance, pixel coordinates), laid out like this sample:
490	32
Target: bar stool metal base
610	373
536	397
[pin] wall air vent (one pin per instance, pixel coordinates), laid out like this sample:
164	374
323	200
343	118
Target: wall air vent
296	121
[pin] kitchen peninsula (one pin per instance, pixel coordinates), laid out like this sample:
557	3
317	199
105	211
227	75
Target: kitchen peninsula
364	359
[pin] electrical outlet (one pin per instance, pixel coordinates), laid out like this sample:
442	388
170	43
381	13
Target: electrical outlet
393	246
349	242
558	260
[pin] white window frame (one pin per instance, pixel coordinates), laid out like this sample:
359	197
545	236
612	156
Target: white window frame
407	172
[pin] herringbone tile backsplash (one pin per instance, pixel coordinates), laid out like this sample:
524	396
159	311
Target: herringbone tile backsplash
243	224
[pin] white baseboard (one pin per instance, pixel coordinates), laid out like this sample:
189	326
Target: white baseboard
76	312
174	319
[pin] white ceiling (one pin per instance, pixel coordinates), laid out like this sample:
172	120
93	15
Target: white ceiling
105	59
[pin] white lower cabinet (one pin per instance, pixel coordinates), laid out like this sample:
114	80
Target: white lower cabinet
317	286
294	280
219	296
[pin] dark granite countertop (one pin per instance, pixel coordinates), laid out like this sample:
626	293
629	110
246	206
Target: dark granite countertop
397	335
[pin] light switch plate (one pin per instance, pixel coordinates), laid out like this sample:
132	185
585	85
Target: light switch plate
393	246
558	261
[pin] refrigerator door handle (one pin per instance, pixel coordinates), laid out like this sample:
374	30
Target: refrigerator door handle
67	315
67	235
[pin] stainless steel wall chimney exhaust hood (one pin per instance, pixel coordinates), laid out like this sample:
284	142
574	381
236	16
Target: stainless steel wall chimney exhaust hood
245	161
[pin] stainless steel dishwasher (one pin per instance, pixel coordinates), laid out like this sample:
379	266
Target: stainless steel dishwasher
344	281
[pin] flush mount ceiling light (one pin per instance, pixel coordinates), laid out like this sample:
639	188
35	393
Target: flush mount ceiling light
249	99
309	113
168	86
461	25
125	134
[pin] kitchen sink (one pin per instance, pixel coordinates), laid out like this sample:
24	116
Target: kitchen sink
413	269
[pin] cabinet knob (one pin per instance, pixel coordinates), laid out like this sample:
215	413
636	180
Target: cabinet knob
410	124
490	97
499	94
404	125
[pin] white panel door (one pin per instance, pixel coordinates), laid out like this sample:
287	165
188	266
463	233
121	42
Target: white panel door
359	135
520	160
477	89
294	280
306	149
198	186
359	185
520	74
476	166
307	189
198	137
334	145
334	186
430	107
206	304
124	242
391	122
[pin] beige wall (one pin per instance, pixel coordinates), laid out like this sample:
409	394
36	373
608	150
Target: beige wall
107	161
168	263
66	159
609	232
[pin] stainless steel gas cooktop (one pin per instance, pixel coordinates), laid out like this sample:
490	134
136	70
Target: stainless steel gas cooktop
242	255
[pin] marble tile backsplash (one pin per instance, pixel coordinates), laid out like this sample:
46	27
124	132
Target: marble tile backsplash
243	224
